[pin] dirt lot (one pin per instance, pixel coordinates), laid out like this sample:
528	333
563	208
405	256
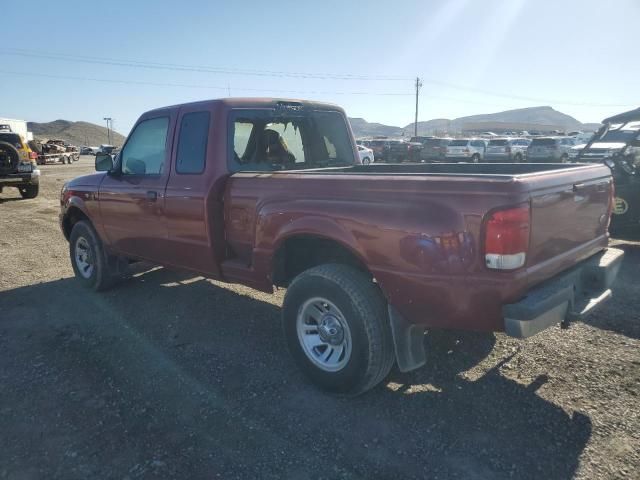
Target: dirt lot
170	376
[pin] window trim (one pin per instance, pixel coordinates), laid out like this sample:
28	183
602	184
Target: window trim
206	143
124	146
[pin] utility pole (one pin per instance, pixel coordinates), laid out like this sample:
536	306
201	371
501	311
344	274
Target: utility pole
415	125
108	120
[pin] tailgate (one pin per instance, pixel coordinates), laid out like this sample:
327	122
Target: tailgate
569	217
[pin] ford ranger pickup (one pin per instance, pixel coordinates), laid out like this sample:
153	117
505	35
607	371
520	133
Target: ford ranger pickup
270	193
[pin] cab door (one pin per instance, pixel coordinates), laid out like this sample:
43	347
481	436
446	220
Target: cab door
132	201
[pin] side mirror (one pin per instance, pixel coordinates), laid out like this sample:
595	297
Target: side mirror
104	162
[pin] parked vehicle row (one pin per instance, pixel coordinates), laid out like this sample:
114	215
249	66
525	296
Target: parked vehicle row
494	149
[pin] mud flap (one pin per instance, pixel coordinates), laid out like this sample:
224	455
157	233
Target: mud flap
408	342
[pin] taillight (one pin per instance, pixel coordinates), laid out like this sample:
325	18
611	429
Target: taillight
33	156
506	238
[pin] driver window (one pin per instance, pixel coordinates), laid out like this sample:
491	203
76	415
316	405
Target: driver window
145	151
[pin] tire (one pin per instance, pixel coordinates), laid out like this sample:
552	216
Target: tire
11	153
346	300
103	270
517	158
475	158
29	191
366	161
564	158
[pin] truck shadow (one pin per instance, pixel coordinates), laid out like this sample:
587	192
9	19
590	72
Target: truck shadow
615	314
179	374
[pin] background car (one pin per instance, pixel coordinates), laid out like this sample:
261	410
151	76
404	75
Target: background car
610	144
550	149
507	150
366	155
466	149
432	149
24	151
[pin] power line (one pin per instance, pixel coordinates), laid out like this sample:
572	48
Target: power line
197	68
213	87
300	75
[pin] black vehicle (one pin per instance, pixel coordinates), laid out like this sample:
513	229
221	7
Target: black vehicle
431	149
389	151
17	165
625	166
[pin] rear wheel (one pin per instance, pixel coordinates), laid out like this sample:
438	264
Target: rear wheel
475	158
564	158
29	191
517	158
93	267
336	327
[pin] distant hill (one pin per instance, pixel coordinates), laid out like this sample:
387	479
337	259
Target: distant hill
76	133
362	128
534	118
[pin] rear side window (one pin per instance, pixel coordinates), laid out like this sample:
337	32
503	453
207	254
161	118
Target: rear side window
12	138
459	143
497	143
192	142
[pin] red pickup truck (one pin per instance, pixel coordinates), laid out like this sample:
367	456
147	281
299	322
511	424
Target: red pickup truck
269	193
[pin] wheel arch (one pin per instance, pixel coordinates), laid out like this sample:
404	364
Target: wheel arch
298	252
73	215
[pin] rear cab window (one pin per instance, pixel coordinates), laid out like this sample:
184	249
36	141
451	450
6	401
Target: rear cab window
272	140
192	143
12	138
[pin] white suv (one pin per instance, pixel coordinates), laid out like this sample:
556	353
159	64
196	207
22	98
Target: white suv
466	149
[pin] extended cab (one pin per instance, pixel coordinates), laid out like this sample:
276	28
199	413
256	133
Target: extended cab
266	192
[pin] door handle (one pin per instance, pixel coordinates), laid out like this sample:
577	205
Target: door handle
152	196
578	186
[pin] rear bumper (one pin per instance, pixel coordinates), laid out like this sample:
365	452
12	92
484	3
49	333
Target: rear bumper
567	297
14	179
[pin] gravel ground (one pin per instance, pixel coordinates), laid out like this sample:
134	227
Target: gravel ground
171	376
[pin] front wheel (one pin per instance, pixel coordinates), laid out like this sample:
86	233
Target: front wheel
336	327
93	267
475	158
29	191
517	158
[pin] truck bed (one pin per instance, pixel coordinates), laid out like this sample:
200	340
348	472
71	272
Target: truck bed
500	170
419	227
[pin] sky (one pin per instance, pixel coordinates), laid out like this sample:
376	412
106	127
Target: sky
79	60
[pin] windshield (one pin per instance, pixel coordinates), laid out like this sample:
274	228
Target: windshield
436	141
12	138
619	136
267	140
543	142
